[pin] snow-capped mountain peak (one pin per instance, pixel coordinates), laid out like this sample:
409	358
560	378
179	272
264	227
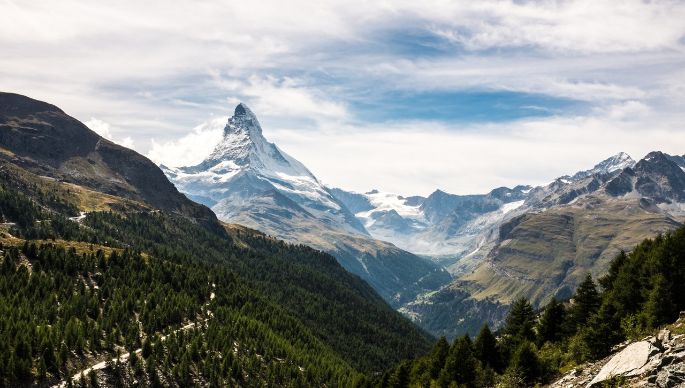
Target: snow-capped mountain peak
614	163
243	117
245	165
244	146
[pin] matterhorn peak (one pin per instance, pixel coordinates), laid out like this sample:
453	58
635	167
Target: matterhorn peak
242	110
243	120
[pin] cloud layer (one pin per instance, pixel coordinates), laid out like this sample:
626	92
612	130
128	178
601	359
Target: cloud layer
337	83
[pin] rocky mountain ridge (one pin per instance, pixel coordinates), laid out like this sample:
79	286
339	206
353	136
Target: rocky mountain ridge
561	232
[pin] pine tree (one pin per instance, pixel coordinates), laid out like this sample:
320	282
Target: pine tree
525	361
520	321
585	303
607	280
460	365
400	378
659	307
550	327
147	348
602	331
438	357
486	350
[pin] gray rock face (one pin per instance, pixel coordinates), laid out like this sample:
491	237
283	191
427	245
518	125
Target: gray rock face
627	361
653	362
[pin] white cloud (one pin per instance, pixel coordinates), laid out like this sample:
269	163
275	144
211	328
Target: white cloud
417	158
563	26
155	69
191	148
104	129
284	97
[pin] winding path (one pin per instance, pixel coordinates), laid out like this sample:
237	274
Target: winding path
124	357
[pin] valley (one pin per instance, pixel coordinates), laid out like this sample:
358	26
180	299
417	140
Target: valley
287	265
449	262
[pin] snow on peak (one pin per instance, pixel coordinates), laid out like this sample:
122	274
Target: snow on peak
244	161
615	163
244	147
243	118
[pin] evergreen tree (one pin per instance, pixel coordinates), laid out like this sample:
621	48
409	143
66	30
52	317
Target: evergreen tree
147	349
602	331
615	266
438	357
520	321
659	306
486	349
585	303
525	362
460	365
550	327
400	378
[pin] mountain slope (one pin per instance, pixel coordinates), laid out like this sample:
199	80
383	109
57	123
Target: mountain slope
249	181
286	314
43	139
568	228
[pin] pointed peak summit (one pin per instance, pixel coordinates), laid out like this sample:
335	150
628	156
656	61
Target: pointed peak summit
619	161
243	119
621	156
242	110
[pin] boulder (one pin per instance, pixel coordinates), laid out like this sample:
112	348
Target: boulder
630	359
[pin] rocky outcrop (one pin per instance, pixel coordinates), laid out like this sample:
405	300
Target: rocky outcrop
656	361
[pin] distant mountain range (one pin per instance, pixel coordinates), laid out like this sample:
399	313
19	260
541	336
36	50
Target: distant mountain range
560	232
527	241
249	181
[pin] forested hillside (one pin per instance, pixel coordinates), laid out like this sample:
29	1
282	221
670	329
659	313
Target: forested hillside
200	307
641	292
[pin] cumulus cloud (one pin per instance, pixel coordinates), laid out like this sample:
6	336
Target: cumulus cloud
283	97
154	70
191	148
104	129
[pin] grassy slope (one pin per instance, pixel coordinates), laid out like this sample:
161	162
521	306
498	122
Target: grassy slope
549	253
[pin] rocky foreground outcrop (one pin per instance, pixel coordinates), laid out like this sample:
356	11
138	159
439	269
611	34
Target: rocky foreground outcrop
656	361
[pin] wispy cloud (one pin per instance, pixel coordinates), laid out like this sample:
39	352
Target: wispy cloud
355	72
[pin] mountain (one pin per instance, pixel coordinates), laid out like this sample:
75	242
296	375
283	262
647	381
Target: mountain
450	229
562	231
244	165
249	181
93	267
624	330
459	230
41	138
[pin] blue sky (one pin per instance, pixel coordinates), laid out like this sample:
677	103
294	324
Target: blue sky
403	96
